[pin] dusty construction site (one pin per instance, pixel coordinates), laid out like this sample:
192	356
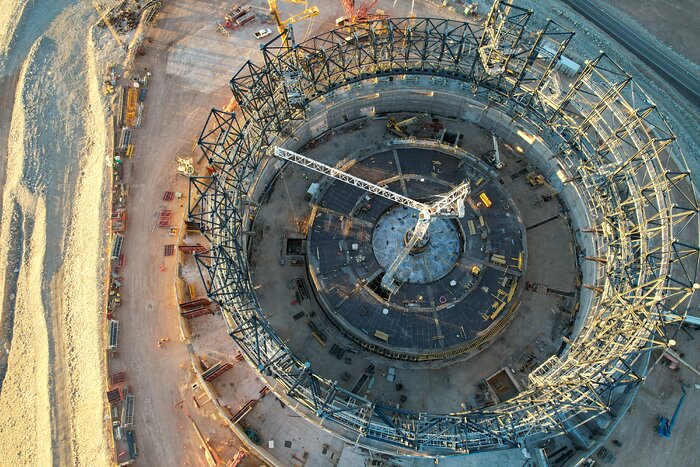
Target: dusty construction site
404	234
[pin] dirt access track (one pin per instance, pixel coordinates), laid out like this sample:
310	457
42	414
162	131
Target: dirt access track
191	63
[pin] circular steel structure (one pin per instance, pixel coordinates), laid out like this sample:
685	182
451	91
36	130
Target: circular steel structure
600	138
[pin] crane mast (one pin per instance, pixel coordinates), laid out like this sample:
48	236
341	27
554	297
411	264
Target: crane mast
418	234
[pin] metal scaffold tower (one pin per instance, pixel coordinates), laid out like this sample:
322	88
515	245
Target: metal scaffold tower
613	147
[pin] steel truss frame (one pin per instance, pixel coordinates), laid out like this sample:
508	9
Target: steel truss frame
615	149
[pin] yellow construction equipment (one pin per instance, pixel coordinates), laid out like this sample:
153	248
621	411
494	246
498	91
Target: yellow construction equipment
535	179
399	128
309	12
131	114
485	200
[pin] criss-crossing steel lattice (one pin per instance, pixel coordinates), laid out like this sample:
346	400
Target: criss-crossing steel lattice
613	147
350	179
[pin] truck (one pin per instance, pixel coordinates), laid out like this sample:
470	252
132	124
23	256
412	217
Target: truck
247	18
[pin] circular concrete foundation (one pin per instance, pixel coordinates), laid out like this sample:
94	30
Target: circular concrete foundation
430	260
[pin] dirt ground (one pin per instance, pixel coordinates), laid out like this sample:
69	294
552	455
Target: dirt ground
174	111
190	63
659	396
672	21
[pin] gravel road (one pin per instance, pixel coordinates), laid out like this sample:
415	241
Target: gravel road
648	51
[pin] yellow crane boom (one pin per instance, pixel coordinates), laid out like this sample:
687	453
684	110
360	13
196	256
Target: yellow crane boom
308	12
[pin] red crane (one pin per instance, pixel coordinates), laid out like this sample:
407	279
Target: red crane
362	13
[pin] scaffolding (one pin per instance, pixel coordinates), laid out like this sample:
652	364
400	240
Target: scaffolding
614	148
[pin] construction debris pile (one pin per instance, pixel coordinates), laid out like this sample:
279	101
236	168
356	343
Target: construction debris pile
124	19
127	14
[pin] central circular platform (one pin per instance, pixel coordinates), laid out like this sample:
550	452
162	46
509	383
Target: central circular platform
453	293
433	258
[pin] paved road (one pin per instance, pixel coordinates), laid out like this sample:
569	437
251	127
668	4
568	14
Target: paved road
672	70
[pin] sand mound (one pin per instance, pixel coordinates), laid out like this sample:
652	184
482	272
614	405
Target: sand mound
52	396
25	427
11	13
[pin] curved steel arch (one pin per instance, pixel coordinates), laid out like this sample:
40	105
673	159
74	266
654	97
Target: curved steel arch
614	148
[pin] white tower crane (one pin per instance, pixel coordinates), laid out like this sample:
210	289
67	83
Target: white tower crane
450	205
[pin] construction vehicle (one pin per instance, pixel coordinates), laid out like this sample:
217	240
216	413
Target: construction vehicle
485	200
400	128
535	179
447	206
470	9
666	425
237	12
309	12
262	33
